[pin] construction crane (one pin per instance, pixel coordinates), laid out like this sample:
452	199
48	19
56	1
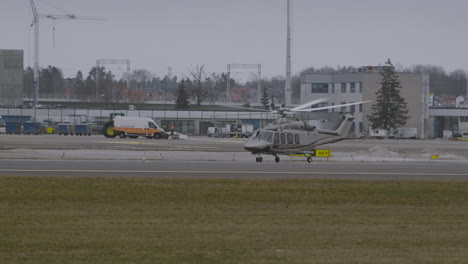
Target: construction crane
35	23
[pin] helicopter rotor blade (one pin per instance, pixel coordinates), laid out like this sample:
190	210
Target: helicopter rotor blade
249	109
309	104
330	107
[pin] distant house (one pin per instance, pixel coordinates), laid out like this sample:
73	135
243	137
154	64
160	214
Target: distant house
461	102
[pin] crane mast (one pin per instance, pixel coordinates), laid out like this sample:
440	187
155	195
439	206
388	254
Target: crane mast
35	23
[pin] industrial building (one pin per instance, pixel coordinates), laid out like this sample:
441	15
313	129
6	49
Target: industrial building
11	77
358	86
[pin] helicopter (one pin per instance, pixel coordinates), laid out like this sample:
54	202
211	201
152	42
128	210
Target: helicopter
292	136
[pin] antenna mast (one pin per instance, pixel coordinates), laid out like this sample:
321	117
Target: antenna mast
287	93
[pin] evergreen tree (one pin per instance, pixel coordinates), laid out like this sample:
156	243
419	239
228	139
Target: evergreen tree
182	101
391	110
265	100
80	86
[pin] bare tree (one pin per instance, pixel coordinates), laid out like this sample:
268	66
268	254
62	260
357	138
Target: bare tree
200	83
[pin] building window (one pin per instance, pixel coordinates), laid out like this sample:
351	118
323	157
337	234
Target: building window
352	108
353	87
343	108
343	87
361	127
360	87
464	119
320	88
360	108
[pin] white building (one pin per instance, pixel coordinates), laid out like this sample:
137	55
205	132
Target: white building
343	88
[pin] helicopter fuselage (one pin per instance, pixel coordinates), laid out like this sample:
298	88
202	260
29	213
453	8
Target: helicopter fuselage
291	138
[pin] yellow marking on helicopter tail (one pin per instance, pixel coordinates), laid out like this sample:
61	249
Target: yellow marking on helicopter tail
322	153
318	153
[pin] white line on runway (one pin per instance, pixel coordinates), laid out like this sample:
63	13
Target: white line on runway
246	172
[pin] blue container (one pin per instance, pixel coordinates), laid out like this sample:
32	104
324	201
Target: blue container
82	129
29	128
12	127
64	129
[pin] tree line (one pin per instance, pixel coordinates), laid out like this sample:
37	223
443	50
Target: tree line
200	86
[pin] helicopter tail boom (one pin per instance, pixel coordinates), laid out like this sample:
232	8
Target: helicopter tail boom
345	126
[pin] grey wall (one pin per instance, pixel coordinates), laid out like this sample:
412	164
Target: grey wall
11	77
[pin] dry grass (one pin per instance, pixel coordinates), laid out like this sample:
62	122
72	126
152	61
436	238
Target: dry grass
138	220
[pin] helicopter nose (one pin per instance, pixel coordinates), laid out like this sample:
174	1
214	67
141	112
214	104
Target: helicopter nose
253	146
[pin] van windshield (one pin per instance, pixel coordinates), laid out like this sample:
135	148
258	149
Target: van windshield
152	125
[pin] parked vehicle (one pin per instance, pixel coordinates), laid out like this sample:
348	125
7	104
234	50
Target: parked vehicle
2	130
405	133
378	133
133	127
231	130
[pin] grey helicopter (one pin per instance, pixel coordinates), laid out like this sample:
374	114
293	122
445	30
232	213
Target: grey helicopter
292	136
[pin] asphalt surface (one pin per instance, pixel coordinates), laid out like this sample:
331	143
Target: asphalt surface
236	169
202	157
209	144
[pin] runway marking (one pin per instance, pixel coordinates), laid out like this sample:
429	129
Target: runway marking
244	172
158	144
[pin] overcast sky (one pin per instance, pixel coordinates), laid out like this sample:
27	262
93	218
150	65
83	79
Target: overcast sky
156	34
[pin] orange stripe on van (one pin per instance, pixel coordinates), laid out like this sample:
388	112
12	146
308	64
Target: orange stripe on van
132	130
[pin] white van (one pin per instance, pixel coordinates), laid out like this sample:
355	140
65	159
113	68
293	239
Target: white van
378	133
133	127
405	133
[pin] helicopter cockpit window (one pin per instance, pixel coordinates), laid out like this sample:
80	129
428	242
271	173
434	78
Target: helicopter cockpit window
283	138
255	134
296	139
265	135
276	139
290	139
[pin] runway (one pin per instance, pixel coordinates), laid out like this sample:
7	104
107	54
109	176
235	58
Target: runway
237	169
201	143
203	157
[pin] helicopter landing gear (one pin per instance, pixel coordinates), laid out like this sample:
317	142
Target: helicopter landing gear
309	159
277	159
259	159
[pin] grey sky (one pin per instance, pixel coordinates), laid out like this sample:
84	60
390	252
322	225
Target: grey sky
183	33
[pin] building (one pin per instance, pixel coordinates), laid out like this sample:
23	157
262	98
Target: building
11	77
343	88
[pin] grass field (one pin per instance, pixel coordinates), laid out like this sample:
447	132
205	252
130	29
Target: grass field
141	220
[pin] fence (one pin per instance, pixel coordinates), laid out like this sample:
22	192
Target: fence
191	122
